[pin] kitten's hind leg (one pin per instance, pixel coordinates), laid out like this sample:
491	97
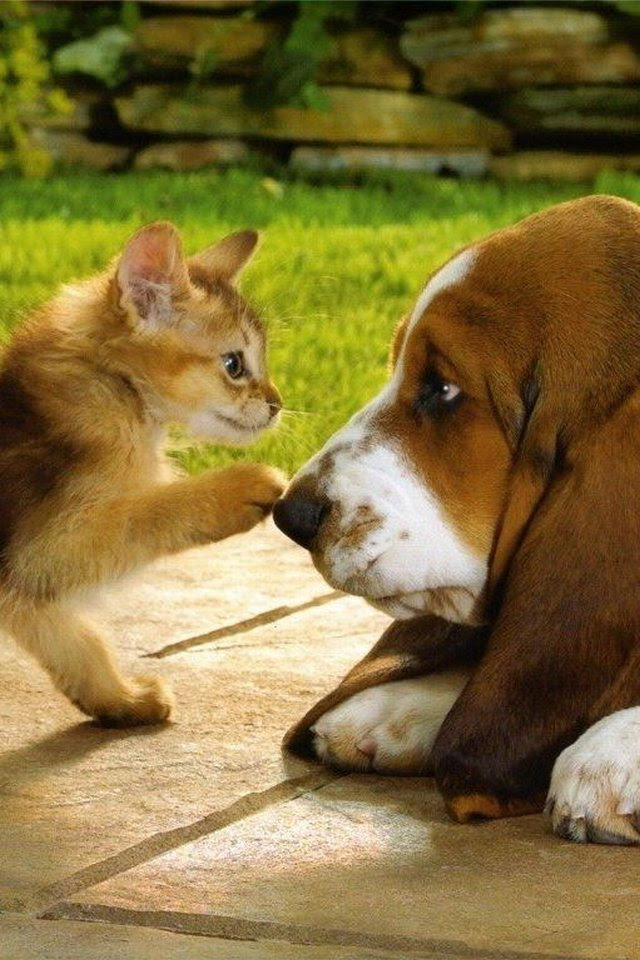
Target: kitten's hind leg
83	668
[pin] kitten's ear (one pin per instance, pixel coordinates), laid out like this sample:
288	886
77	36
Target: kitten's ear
151	273
230	256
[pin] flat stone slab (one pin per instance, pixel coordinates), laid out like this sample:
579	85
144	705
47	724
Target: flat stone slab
73	795
353	115
575	115
76	149
373	862
464	163
23	938
198	839
527	165
184	155
210	588
508	48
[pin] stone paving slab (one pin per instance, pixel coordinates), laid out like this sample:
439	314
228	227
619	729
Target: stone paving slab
373	862
72	794
23	938
208	588
201	827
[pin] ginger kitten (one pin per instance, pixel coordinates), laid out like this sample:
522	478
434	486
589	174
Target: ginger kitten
87	389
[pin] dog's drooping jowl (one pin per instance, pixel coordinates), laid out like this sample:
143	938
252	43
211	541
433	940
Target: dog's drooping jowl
487	499
87	388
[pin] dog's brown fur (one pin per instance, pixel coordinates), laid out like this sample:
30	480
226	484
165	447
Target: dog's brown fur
538	469
87	388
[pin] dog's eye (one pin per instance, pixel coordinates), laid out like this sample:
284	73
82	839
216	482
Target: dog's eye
436	395
233	364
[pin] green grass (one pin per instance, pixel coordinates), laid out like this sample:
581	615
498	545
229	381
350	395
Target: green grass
338	266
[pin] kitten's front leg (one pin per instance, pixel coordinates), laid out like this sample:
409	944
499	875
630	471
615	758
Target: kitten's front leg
86	546
83	668
234	499
79	549
204	509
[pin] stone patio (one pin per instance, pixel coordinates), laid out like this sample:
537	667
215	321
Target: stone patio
200	840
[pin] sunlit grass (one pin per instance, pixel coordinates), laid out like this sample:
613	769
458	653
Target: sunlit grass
339	265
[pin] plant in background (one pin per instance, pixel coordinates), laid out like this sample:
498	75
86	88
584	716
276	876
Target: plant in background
24	74
290	64
105	54
631	7
102	56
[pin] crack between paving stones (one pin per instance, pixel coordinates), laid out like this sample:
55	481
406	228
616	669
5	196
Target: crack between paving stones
167	840
242	626
238	929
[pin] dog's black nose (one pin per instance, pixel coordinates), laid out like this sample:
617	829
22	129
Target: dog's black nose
299	517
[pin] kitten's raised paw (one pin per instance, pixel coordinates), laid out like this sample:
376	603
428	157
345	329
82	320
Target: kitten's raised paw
261	485
148	700
250	492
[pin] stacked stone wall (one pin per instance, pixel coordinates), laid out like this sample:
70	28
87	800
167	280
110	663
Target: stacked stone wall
520	92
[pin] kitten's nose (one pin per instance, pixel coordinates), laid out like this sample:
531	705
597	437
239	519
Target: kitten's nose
274	400
275	406
299	516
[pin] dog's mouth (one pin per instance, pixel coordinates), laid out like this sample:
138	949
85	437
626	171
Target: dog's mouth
456	604
403	606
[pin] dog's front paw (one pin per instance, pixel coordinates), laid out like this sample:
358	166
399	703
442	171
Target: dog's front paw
594	795
389	728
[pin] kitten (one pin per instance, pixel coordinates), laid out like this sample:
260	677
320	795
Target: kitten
87	389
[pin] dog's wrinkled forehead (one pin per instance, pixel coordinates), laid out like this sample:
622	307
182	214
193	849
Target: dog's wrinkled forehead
365	430
386	533
450	275
357	438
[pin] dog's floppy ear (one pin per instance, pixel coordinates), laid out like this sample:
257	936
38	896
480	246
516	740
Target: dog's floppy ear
569	615
532	424
407	648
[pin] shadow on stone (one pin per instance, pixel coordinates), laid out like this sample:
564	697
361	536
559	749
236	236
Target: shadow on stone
64	748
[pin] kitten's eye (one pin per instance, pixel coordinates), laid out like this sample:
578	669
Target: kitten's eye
233	363
436	395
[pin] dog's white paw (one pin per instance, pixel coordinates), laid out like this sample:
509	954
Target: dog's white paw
389	728
594	795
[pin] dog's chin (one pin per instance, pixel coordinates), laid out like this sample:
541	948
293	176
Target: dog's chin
402	607
455	604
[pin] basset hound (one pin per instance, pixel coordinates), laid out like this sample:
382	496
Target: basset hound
488	500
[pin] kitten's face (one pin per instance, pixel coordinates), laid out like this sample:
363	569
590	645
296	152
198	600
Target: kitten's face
202	346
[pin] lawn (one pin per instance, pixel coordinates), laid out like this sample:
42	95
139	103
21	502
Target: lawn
339	264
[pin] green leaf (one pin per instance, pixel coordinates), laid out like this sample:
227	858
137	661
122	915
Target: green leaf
313	97
468	10
103	56
631	7
283	75
289	66
204	63
130	15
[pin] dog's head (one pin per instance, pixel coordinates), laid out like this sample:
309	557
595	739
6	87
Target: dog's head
515	351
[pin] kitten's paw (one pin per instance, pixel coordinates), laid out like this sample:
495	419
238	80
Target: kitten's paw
249	491
147	700
389	728
594	795
260	485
